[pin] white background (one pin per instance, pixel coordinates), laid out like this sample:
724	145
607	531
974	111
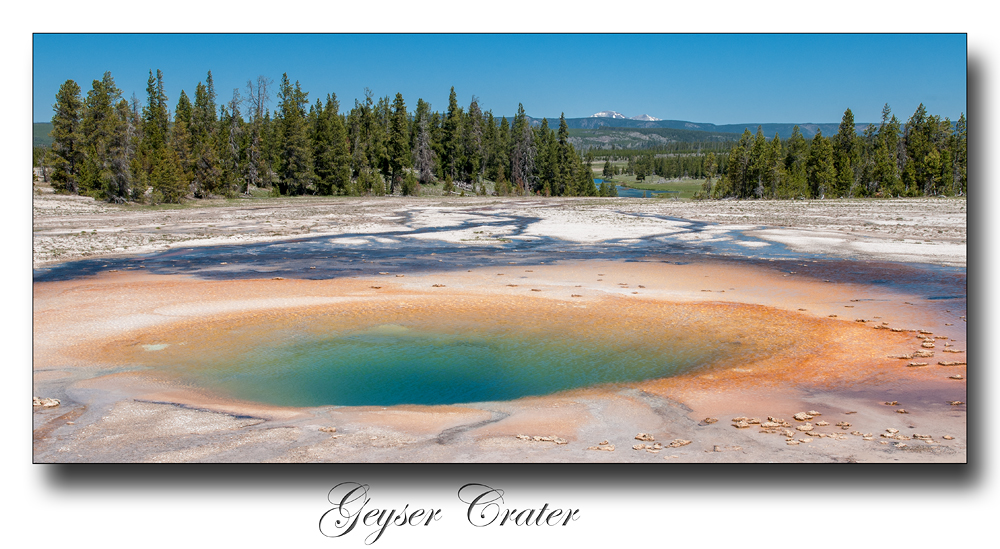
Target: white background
667	505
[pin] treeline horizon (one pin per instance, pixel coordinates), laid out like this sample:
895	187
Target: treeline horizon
120	150
926	156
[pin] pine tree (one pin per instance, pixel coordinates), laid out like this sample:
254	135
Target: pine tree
161	163
232	130
775	174
296	171
501	152
960	155
565	183
207	170
917	145
410	186
820	171
99	125
885	173
488	150
156	119
867	145
452	135
845	155
181	139
546	158
323	155
399	139
522	153
66	138
757	167
738	177
166	177
472	141
796	156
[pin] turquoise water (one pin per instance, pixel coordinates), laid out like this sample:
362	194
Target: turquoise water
394	364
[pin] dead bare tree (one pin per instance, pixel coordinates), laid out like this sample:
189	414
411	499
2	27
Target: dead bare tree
523	165
258	99
424	154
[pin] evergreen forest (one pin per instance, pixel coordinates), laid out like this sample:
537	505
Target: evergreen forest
122	150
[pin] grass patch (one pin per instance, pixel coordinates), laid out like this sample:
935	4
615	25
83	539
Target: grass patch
682	188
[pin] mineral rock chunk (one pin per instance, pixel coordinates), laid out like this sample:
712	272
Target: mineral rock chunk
644	436
802	416
604	446
44	402
710	420
328	429
952	363
678	442
805	427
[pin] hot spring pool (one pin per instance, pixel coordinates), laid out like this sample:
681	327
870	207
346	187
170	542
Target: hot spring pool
432	356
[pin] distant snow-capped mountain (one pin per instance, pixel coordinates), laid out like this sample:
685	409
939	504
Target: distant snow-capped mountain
616	114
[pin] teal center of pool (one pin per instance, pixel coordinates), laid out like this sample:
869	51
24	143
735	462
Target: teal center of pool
394	364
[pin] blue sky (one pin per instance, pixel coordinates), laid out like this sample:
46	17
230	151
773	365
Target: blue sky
717	78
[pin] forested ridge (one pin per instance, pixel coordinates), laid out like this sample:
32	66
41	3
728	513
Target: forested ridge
122	150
